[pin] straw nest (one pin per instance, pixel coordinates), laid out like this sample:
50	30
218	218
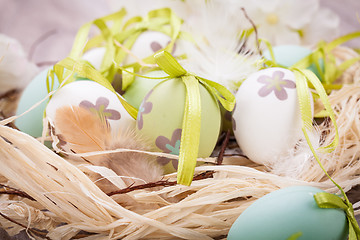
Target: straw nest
53	198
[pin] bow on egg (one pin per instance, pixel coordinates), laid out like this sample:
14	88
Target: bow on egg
190	137
328	200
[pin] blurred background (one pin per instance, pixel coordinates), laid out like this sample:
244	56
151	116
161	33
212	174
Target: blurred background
46	29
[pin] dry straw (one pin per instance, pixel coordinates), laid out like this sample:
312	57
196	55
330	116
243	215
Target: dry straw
54	199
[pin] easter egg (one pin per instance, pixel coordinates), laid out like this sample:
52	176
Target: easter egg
147	44
290	212
94	97
266	118
95	56
136	92
288	55
161	114
31	122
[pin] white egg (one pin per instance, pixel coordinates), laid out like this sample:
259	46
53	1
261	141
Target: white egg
267	119
96	98
147	44
95	56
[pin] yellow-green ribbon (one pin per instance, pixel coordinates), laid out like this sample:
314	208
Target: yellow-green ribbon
328	200
190	137
304	76
162	20
85	70
331	71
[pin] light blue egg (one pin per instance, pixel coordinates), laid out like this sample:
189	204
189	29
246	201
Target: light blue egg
288	55
31	122
290	212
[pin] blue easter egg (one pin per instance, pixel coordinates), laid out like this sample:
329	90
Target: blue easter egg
290	212
31	122
288	55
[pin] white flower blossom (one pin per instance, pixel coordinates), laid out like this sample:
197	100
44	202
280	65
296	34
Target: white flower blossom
15	70
324	26
291	21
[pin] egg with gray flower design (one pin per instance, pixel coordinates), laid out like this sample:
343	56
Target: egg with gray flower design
160	120
147	43
94	97
267	119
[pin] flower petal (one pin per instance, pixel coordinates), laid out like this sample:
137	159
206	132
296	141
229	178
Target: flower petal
161	143
281	94
114	115
288	84
265	90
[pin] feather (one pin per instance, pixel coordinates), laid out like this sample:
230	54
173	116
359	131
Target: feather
220	53
138	165
82	130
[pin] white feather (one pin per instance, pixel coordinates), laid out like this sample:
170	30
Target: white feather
299	159
218	53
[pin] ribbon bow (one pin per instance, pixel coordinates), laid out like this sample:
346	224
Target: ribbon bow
328	200
190	137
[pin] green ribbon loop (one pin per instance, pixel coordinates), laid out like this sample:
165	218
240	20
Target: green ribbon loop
85	70
324	200
162	20
169	64
190	137
328	200
303	76
323	51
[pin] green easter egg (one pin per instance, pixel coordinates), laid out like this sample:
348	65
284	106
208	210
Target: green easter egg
161	114
31	122
136	92
288	55
290	212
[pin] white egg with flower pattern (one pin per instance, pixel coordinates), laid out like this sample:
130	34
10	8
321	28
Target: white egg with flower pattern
266	118
148	43
94	97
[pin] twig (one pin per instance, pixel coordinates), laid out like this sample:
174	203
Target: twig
31	230
15	191
255	30
162	183
220	158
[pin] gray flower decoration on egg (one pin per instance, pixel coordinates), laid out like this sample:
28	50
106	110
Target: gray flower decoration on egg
100	108
275	83
171	146
145	108
155	46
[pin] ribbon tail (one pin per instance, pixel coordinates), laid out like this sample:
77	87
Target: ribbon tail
89	72
225	97
190	137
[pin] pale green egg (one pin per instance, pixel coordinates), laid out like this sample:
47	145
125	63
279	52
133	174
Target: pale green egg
161	114
290	212
31	122
136	92
288	55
